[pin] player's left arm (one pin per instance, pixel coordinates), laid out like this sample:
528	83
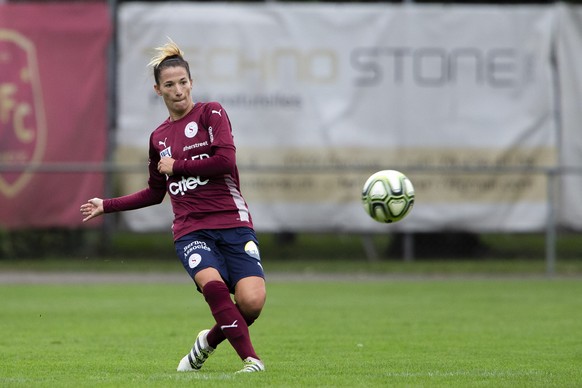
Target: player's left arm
223	156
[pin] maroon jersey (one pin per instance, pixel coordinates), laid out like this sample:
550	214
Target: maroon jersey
204	187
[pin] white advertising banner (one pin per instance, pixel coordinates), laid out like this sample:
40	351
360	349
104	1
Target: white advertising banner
569	53
323	95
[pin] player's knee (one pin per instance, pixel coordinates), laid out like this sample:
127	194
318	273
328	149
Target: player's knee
251	315
251	305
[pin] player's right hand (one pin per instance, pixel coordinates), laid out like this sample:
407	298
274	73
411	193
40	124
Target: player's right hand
93	208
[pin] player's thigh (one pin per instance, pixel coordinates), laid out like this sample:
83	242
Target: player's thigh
240	249
199	255
207	275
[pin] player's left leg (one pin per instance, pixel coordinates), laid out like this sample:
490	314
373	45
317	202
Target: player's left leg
247	281
250	295
229	321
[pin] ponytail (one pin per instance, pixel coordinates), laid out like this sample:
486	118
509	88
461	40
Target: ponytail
168	55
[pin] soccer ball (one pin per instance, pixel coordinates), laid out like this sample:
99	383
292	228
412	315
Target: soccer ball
388	196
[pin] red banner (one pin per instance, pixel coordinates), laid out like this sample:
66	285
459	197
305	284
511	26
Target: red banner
53	110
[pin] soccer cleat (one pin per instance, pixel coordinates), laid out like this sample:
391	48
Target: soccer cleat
200	352
252	365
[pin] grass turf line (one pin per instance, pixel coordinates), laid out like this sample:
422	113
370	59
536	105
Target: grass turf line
400	333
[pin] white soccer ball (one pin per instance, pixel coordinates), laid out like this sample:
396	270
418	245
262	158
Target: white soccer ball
388	196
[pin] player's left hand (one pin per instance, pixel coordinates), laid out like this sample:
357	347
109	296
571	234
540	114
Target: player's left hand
166	165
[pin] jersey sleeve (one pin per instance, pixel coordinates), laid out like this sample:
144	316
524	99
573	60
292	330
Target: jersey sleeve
151	195
223	158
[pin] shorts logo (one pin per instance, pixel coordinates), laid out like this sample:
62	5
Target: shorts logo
191	129
194	260
196	245
252	250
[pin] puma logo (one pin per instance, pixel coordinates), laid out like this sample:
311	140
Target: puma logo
231	326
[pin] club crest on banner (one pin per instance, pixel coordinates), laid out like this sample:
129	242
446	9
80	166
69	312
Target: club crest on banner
22	117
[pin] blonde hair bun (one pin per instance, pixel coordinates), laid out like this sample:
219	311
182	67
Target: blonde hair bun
170	49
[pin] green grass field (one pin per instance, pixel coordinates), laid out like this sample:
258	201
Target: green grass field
450	333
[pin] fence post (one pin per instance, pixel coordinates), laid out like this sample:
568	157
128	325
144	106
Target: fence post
551	223
408	247
370	248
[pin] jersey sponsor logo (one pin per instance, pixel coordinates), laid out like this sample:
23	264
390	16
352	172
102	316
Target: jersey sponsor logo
252	250
186	184
167	152
211	134
195	145
191	129
218	112
194	260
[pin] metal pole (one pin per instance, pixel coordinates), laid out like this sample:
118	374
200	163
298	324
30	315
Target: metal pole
108	222
370	248
555	175
551	224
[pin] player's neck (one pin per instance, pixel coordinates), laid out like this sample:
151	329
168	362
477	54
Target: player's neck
175	116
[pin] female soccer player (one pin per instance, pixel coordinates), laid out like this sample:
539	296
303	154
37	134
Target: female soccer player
192	157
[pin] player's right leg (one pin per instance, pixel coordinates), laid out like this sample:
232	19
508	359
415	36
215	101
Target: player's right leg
200	352
197	253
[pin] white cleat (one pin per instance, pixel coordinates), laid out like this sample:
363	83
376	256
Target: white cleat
252	365
200	352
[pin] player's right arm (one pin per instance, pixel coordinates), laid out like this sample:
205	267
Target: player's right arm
93	208
151	195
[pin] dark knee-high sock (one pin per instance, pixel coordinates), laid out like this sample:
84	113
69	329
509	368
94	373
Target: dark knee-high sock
228	319
216	336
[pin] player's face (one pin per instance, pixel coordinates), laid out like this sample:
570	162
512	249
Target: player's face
175	87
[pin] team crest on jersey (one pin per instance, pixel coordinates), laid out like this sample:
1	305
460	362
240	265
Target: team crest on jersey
191	129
